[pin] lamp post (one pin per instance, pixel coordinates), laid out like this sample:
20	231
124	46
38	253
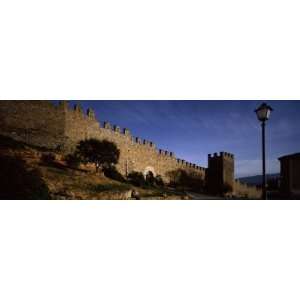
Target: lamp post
263	114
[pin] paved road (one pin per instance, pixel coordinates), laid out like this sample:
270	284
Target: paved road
196	196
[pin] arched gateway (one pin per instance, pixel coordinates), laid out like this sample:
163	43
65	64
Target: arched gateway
148	170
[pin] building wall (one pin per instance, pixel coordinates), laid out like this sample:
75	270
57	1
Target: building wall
296	176
285	176
290	175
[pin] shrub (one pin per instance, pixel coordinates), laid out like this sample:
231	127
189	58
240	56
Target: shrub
137	179
73	160
112	173
150	179
17	183
178	178
48	158
159	181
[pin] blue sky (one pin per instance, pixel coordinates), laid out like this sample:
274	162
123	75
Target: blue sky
193	129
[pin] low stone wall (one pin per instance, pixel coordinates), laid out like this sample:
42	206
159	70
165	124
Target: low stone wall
243	190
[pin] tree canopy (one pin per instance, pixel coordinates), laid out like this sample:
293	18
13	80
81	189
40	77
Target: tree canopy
100	153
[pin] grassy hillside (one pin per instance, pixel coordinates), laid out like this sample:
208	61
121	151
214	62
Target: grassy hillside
25	175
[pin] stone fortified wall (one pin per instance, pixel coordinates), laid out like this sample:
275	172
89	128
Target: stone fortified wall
220	172
60	127
34	122
44	124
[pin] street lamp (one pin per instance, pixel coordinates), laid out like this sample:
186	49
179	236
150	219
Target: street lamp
263	114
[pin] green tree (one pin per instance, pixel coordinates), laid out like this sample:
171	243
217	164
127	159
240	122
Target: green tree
100	153
186	180
137	179
73	160
112	173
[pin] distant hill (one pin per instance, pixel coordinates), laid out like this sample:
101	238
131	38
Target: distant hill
256	180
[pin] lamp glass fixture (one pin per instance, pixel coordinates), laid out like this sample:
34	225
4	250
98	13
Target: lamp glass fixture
263	112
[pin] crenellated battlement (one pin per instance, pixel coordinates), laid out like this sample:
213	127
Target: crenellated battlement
106	125
62	126
138	140
88	120
78	113
126	131
91	114
117	129
222	154
63	105
166	153
76	110
182	162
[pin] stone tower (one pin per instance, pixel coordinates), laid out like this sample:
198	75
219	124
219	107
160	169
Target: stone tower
220	172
